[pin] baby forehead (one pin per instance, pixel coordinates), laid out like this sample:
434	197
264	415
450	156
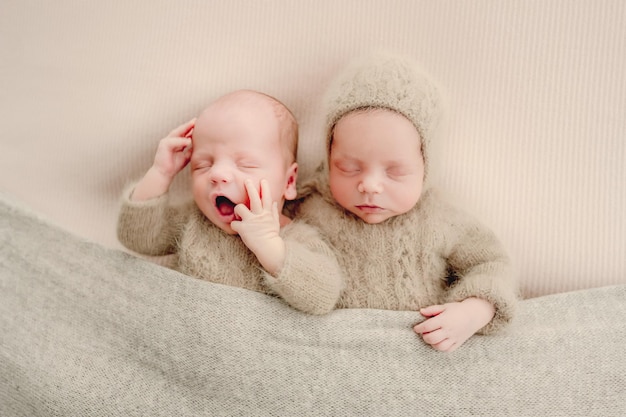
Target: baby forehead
241	112
236	118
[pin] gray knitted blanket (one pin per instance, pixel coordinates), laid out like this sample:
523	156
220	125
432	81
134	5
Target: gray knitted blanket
89	331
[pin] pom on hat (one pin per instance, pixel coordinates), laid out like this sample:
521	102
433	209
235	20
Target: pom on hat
386	81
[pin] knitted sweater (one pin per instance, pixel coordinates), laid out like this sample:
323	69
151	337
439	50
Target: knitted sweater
310	279
432	254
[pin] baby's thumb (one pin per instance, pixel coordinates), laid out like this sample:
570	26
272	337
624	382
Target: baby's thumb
432	310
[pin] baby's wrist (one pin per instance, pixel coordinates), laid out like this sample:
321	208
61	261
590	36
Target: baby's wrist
158	175
274	259
481	309
153	184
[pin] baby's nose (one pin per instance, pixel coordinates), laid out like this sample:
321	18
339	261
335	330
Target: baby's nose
221	173
370	184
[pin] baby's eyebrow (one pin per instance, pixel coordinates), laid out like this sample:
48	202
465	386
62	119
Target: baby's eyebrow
199	155
247	157
397	163
348	159
244	154
343	157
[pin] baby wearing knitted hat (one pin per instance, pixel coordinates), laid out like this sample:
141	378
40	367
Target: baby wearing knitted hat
401	246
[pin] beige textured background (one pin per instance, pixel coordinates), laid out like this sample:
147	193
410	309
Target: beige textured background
535	136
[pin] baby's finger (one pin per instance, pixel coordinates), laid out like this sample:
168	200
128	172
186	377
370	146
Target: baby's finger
266	195
180	144
253	195
427	326
242	212
435	337
174	144
183	130
187	151
432	310
446	345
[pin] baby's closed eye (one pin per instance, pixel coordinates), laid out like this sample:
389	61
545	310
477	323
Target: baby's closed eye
200	165
348	167
399	171
248	164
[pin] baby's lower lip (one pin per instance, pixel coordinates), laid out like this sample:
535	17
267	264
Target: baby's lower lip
227	219
369	209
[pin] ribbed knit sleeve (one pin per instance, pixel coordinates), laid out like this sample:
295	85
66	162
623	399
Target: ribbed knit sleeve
311	279
482	269
149	227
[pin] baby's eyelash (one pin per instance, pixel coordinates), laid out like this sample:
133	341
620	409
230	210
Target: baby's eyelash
397	171
248	165
347	167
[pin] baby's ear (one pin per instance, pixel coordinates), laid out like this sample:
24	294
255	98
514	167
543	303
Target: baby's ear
291	191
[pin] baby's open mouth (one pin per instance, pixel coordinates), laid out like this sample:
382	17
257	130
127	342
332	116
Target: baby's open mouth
225	206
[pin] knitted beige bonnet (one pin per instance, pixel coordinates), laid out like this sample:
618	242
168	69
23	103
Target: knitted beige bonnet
388	81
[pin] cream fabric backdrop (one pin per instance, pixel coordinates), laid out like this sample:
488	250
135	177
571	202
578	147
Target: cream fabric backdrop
534	142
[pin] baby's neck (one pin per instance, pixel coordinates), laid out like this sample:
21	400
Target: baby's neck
284	220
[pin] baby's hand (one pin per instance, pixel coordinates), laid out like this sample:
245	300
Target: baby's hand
174	151
450	325
172	155
259	227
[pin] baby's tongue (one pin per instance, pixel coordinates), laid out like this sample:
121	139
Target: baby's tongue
225	206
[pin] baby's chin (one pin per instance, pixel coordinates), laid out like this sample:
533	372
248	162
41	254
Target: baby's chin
221	222
224	223
229	231
225	227
374	218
